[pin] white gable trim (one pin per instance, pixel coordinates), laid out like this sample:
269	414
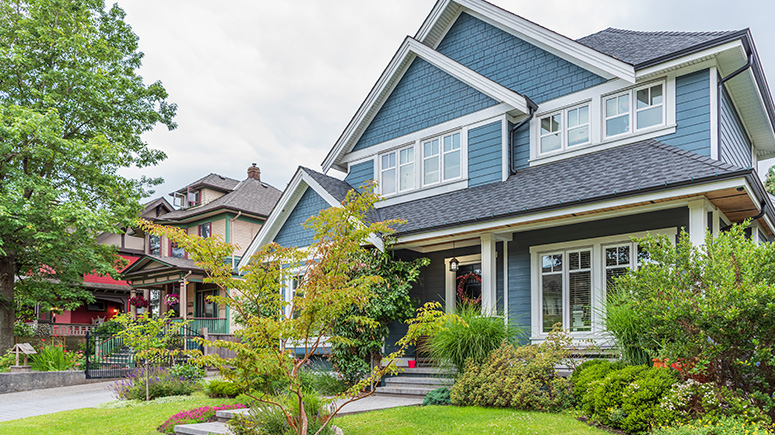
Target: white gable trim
559	45
298	185
410	49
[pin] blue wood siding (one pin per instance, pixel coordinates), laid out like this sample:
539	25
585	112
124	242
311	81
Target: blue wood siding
292	233
485	150
692	101
425	96
360	174
513	62
519	249
734	146
521	146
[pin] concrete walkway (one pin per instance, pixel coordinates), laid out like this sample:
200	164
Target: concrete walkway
50	400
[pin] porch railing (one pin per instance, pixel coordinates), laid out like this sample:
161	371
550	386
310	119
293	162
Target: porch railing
70	330
214	325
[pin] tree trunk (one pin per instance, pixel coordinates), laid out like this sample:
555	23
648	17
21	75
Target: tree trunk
7	306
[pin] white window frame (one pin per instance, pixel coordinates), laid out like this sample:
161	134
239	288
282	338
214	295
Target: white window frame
597	246
633	110
440	138
397	168
565	129
565	273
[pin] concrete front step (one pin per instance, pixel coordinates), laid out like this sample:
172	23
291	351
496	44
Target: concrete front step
424	371
202	428
228	414
418	380
416	390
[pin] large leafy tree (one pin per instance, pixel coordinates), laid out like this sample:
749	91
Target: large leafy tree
72	109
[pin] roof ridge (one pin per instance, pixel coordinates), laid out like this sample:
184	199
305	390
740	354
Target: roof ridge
666	32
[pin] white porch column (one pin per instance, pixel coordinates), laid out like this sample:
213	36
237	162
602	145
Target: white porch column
698	221
489	271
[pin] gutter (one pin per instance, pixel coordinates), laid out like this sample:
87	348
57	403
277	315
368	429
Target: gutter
532	108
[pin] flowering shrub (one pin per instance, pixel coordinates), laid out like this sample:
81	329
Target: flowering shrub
692	399
139	301
197	415
725	425
161	383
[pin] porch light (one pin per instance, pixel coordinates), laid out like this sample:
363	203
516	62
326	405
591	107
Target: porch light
453	264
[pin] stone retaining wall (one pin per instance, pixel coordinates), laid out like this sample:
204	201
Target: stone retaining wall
13	382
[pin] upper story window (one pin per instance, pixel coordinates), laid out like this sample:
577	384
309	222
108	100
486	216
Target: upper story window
176	251
154	244
193	197
646	102
205	230
564	129
440	159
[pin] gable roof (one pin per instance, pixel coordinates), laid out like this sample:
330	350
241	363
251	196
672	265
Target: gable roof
165	262
612	173
249	196
640	49
213	181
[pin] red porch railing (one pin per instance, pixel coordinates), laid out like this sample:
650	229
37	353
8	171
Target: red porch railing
70	329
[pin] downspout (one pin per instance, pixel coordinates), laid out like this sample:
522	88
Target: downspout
231	233
752	218
719	96
531	107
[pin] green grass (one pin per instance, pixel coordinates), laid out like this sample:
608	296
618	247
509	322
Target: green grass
397	421
120	421
466	420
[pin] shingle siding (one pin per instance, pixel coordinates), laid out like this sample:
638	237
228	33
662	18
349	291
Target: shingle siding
360	174
735	148
512	62
521	146
692	107
425	96
485	150
292	233
519	249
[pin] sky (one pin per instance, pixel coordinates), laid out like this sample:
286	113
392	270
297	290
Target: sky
276	82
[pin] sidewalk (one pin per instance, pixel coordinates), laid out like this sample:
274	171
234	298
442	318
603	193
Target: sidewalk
50	400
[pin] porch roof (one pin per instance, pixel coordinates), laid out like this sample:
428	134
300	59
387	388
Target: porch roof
152	270
628	170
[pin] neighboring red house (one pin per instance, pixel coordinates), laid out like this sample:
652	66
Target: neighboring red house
111	296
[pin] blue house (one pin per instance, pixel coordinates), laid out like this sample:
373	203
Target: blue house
524	162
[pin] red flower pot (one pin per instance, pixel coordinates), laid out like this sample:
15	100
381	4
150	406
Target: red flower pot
412	364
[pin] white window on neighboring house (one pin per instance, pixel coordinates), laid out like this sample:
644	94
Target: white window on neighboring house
564	129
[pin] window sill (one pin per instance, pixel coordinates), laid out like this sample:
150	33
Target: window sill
425	192
605	144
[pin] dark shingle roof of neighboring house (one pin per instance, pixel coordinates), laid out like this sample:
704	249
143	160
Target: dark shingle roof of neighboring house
638	48
213	181
613	173
249	196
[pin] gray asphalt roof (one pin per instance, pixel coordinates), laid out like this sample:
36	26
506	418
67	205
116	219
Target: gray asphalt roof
249	196
615	172
338	189
636	47
218	182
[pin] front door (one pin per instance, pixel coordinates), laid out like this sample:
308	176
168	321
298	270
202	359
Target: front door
205	307
468	284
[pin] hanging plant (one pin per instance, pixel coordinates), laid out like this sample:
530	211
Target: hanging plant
462	283
139	301
171	299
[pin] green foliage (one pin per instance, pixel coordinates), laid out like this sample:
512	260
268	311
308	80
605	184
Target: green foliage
691	399
9	359
473	337
588	374
151	383
72	112
711	305
362	341
323	382
271	420
220	388
520	377
439	396
627	327
739	425
769	182
187	371
196	415
23	330
53	359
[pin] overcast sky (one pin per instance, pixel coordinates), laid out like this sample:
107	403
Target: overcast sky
276	82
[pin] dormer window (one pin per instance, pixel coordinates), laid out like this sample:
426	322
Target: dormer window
193	197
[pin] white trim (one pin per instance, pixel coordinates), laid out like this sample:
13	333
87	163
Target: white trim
390	77
506	280
426	192
541	37
715	144
596	246
505	151
489	274
689	60
698	221
467	122
691	190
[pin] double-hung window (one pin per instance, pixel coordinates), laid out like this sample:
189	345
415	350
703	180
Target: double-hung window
205	230
565	129
566	290
154	244
397	171
647	103
441	159
620	259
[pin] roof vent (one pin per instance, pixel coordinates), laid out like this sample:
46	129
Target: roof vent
254	172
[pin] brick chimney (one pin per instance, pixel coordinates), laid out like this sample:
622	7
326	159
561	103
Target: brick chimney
254	172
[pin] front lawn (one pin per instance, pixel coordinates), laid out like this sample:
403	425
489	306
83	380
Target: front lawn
397	421
461	420
136	420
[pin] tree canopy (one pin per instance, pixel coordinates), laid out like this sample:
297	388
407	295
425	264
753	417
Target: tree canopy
72	111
